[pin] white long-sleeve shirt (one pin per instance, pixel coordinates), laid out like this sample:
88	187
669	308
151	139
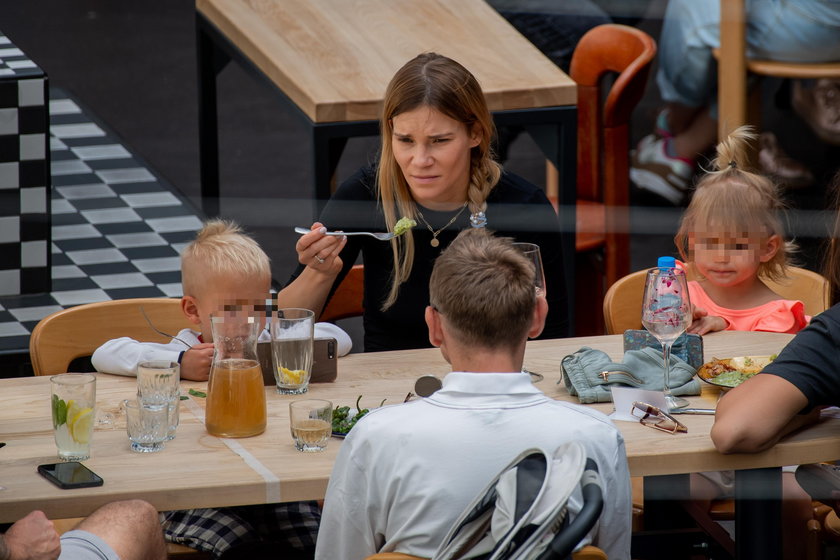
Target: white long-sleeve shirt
121	355
406	472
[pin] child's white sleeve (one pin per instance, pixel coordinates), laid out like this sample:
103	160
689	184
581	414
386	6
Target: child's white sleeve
330	330
121	355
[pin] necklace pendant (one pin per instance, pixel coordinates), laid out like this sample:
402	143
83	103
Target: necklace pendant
434	242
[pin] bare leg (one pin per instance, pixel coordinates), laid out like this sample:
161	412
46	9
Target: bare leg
130	527
680	116
700	134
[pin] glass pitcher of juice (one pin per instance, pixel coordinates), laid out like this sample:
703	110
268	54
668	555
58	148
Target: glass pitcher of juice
235	394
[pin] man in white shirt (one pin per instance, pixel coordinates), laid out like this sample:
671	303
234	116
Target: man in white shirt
406	472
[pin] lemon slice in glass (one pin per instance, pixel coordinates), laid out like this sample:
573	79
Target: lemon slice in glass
80	424
292	376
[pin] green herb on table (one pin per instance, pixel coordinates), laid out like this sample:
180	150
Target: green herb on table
342	422
195	393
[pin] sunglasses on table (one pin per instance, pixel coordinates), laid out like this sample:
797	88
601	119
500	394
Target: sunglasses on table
655	418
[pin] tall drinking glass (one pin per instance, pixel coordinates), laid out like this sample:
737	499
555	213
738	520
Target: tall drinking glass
158	382
292	339
73	411
666	313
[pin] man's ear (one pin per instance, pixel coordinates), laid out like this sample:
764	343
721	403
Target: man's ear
190	309
538	321
433	322
771	247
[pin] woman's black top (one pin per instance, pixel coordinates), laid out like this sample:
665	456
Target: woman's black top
515	208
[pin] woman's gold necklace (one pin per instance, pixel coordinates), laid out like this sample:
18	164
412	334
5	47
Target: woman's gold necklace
434	242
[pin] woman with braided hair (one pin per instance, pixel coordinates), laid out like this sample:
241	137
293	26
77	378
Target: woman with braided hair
435	167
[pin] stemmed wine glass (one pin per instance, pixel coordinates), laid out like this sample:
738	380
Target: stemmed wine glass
532	253
666	313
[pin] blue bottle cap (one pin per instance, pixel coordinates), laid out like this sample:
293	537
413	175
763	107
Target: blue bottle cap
666	262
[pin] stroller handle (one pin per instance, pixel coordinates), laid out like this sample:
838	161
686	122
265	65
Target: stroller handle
593	503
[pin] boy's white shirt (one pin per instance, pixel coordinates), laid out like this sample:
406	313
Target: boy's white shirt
121	355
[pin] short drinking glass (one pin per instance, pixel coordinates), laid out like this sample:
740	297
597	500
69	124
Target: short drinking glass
311	423
158	381
292	332
73	413
147	425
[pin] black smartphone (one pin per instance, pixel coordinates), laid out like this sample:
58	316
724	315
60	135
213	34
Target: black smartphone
70	475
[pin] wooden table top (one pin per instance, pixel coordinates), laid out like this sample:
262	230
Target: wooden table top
334	58
199	470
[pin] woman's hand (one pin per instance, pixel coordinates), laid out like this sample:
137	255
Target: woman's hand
319	252
702	322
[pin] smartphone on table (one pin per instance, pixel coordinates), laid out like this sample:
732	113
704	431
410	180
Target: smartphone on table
70	474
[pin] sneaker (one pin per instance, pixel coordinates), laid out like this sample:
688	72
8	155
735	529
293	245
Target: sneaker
819	480
652	169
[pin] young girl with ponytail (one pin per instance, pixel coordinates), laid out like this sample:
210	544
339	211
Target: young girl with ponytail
435	167
732	236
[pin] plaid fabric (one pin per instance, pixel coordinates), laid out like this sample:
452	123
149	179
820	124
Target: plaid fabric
217	530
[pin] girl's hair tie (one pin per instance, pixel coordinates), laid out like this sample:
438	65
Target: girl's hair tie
732	164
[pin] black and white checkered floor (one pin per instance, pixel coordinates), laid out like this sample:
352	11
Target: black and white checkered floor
117	229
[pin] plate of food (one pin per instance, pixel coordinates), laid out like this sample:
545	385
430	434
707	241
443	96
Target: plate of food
731	372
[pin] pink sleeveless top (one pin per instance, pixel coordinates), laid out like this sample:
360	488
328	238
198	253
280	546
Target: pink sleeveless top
781	315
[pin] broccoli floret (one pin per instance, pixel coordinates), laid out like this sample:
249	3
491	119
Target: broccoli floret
403	225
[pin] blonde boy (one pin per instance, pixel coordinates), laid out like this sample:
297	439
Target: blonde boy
221	266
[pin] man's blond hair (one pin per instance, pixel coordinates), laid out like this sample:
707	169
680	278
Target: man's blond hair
484	288
221	250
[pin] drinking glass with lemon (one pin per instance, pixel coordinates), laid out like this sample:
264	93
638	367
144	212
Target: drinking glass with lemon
292	332
73	404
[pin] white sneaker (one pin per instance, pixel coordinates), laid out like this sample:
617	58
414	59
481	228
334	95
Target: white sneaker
653	170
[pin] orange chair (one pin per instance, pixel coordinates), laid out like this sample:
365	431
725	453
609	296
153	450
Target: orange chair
603	217
348	297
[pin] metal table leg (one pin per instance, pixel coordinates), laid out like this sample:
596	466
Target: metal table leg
211	61
758	513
